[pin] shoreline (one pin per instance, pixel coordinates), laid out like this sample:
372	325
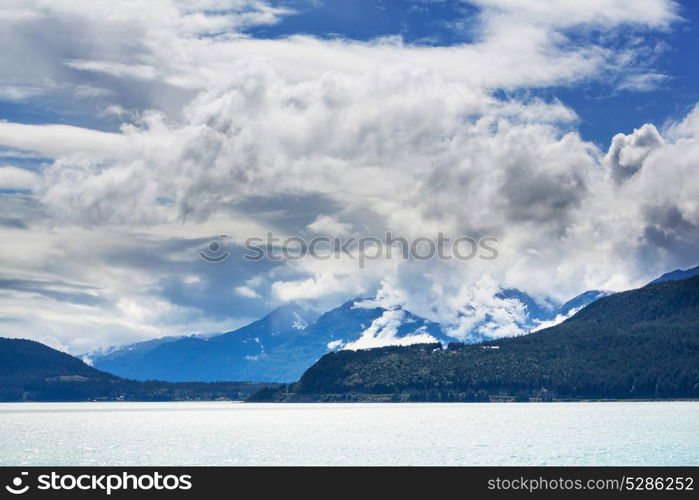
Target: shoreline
372	401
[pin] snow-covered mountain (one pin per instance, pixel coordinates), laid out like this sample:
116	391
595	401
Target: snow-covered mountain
278	347
281	345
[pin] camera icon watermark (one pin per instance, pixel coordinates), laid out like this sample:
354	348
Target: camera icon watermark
215	251
16	487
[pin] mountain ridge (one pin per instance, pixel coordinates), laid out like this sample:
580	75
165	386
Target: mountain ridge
31	371
642	343
282	344
277	347
677	274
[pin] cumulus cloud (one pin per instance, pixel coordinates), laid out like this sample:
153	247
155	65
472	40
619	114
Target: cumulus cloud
666	187
480	313
628	152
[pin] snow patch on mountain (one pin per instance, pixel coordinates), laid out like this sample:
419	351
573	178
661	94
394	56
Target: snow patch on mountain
299	323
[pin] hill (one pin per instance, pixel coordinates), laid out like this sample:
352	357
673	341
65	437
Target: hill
30	371
638	344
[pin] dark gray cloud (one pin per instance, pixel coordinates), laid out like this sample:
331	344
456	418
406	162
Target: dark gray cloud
56	290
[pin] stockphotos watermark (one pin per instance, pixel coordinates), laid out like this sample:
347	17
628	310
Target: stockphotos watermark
361	249
104	483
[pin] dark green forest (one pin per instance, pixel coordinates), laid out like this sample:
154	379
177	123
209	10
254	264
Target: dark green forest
30	371
638	344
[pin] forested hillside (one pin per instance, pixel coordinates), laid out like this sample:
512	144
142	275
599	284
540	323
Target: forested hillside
638	344
30	371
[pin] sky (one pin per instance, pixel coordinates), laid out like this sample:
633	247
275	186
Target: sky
134	133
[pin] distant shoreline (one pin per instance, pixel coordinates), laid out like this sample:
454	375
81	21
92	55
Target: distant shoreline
372	401
497	401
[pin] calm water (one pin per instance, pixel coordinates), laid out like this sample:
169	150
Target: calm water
357	434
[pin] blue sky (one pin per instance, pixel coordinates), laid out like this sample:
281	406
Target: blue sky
423	22
131	137
604	110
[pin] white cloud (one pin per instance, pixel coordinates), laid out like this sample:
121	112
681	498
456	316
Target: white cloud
246	291
335	344
328	225
642	82
478	312
388	297
138	71
18	92
61	140
321	285
384	332
18	178
572	12
560	318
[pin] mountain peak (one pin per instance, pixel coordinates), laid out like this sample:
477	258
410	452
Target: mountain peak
352	303
677	274
290	315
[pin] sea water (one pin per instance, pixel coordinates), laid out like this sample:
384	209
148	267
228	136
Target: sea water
225	433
